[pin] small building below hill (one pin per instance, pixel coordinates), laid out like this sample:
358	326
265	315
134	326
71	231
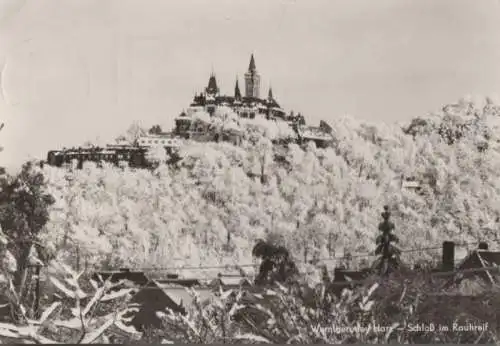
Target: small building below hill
160	295
153	296
343	278
164	140
487	261
134	278
317	134
477	272
229	281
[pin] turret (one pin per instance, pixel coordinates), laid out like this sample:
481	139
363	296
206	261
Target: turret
237	93
270	94
212	88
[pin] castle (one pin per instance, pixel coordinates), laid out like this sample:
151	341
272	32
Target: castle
188	126
250	105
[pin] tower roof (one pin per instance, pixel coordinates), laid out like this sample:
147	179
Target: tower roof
252	67
237	93
270	94
212	85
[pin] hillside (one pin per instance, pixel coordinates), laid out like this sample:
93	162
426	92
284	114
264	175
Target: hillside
184	214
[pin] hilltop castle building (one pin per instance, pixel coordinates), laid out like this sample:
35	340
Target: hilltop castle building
248	106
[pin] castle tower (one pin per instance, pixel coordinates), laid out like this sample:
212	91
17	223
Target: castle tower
252	80
211	93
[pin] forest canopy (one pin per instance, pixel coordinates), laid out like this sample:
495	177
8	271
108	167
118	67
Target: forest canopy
212	206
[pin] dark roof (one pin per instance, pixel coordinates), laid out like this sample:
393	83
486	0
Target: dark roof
482	259
344	278
323	125
271	102
251	66
234	281
180	282
224	98
136	277
237	92
314	132
159	295
150	300
244	101
180	294
475	260
344	275
249	99
212	85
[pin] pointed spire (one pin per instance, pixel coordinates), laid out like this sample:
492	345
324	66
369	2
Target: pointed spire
270	94
252	67
237	93
212	85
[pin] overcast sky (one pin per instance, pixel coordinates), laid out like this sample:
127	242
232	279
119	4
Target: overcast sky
73	70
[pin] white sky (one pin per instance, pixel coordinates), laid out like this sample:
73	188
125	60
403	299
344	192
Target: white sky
73	70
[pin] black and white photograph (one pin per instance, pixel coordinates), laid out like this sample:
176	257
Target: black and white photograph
249	171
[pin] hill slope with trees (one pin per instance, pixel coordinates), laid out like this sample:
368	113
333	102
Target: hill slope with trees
212	206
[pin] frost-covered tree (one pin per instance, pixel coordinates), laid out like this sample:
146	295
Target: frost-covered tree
24	212
314	199
132	134
157	154
155	130
388	253
277	264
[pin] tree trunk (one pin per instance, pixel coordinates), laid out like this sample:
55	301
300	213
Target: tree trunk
37	293
21	275
22	266
77	259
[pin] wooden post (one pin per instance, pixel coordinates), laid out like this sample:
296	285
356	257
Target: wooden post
448	260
